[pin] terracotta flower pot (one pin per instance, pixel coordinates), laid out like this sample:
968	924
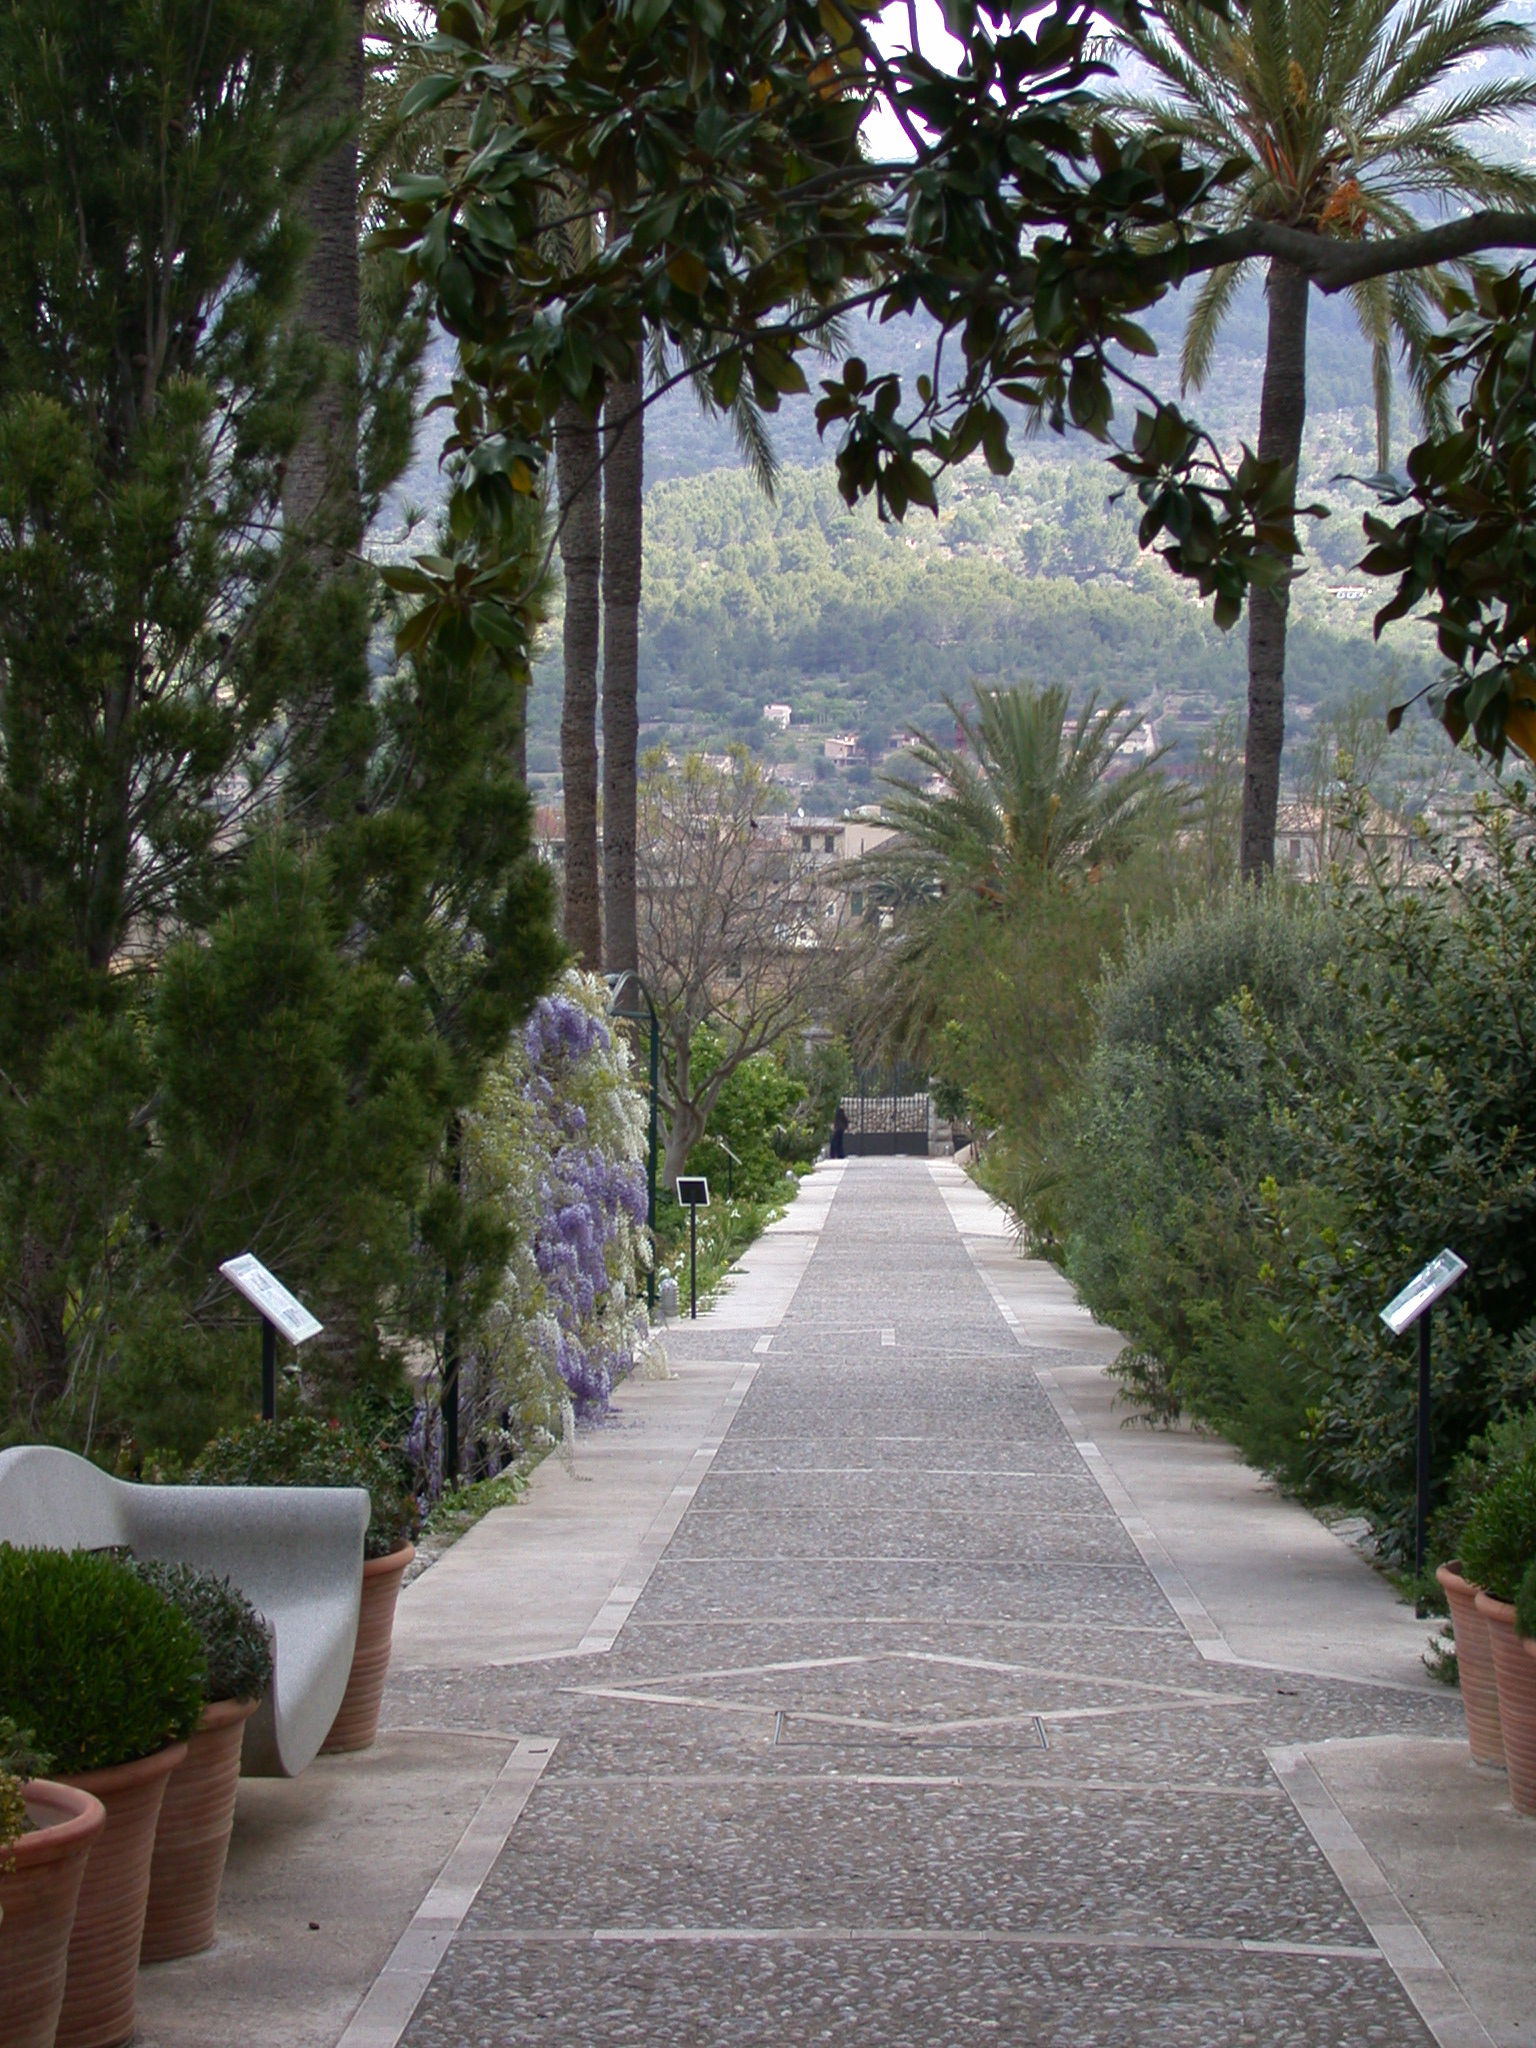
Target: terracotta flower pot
38	1895
192	1839
357	1718
104	1948
1516	1674
1474	1665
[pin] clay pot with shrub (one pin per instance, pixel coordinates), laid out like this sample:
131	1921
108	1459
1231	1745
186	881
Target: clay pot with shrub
1498	1553
1488	1459
108	1674
306	1450
198	1813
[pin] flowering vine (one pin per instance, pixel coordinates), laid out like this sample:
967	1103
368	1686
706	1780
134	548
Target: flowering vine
558	1142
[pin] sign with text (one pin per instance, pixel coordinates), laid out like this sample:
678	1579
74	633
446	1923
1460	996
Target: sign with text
1423	1291
264	1291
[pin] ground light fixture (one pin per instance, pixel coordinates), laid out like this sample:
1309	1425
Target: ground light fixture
1413	1305
693	1195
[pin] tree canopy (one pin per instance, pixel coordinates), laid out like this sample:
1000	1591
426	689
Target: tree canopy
743	215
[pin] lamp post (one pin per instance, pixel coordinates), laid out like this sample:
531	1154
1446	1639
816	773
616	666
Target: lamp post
618	985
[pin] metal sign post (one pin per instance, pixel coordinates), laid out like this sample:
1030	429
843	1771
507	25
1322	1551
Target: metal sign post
693	1192
282	1315
1413	1305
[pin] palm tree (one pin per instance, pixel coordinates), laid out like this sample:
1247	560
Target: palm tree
623	555
1029	808
577	473
1028	794
1344	115
321	494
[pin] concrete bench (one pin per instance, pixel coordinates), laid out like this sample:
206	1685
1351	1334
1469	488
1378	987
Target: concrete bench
295	1552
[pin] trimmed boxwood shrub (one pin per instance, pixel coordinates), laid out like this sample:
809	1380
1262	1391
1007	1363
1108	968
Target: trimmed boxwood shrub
234	1637
99	1666
1498	1545
304	1450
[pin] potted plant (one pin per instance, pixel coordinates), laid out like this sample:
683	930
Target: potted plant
305	1450
110	1676
1476	1472
1498	1549
46	1834
198	1812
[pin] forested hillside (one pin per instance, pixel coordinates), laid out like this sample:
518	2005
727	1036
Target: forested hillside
865	628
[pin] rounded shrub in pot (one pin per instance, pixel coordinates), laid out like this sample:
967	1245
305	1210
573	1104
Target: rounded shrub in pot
306	1450
109	1676
197	1816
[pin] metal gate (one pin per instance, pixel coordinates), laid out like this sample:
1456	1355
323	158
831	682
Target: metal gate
888	1111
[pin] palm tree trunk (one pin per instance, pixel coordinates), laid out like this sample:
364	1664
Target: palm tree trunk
1282	417
623	554
581	557
321	493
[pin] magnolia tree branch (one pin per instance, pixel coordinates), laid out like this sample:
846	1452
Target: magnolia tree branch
1333	265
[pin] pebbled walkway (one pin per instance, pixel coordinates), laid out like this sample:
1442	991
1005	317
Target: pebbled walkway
901	1742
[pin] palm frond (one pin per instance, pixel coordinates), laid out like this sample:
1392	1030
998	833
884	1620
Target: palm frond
1213	301
1451	34
1364	104
1372	302
1416	297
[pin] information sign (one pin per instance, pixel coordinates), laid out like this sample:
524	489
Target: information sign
264	1291
1423	1291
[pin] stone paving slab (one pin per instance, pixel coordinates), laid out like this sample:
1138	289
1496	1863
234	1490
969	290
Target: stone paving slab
897	1454
917	1535
878	1490
877	1589
912	1993
1148	1864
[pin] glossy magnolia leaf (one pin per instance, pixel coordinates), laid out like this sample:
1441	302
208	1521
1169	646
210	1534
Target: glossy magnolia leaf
409	582
498	626
689	271
426	94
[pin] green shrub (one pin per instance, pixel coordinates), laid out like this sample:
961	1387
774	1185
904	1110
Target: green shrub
236	1645
305	1450
1480	1467
99	1664
1498	1546
755	1116
1163	1160
1418	1129
1525	1602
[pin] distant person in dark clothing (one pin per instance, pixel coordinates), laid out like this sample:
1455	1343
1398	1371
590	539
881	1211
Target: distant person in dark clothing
839	1127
